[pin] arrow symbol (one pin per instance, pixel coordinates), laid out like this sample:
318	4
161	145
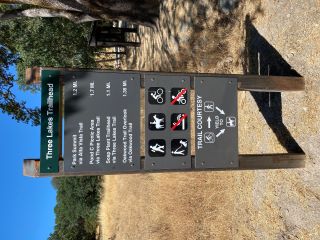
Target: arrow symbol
220	133
220	111
209	122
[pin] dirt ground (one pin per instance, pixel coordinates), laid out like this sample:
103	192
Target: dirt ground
263	204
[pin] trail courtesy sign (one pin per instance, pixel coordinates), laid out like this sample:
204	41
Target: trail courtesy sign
216	123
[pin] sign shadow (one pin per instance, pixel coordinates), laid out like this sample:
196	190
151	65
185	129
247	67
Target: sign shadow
262	58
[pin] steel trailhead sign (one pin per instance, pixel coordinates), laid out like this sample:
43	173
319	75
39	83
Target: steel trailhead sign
101	124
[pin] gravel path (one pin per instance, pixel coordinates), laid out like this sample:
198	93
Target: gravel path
265	204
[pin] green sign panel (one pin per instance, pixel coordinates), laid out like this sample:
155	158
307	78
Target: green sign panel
49	153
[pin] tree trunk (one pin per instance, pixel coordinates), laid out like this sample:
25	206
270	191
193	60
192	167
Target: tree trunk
143	12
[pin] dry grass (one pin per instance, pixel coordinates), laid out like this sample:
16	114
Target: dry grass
167	206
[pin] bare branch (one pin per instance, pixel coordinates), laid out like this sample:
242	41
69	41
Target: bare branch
144	12
10	1
76	17
52	4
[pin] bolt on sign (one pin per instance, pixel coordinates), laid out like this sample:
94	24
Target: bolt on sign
91	122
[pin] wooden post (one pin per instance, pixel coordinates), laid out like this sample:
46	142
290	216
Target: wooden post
245	82
31	167
107	60
272	161
107	53
33	75
117	44
270	83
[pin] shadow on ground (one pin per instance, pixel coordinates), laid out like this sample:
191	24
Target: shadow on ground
271	63
191	36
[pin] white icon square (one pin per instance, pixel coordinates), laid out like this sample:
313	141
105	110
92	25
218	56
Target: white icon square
209	137
209	106
231	121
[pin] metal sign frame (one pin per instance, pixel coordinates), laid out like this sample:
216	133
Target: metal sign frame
210	159
169	109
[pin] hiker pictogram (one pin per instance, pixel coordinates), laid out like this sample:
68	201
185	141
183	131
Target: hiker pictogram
179	147
209	106
157	147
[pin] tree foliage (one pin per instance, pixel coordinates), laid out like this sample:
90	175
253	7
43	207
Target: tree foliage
9	104
38	42
77	207
47	42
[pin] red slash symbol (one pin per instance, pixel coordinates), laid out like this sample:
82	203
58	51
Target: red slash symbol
176	124
183	91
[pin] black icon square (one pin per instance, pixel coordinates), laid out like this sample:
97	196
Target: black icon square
157	148
179	147
179	96
157	121
156	95
179	121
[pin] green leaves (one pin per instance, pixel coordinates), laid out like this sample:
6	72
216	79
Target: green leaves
51	42
77	208
18	110
26	42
